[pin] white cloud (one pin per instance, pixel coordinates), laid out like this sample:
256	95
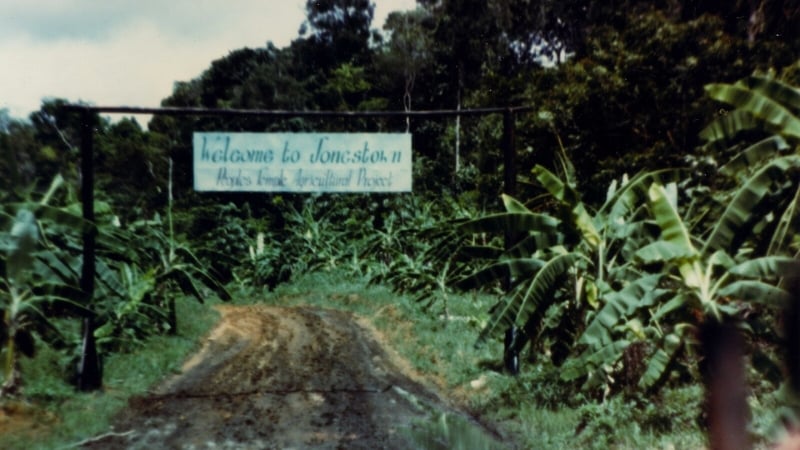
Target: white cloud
119	52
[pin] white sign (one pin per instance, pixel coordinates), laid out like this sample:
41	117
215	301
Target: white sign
302	162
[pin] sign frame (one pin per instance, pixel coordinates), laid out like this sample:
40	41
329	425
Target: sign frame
312	162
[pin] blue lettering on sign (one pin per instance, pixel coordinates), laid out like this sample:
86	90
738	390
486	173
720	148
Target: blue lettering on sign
232	179
366	179
225	154
325	155
266	179
215	154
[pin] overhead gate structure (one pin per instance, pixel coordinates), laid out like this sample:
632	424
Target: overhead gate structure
89	374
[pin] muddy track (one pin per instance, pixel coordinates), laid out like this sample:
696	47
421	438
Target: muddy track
274	377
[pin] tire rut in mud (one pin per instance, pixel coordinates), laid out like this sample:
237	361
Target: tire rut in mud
274	377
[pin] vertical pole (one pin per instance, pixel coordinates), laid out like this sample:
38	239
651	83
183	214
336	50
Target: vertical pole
509	154
509	174
89	376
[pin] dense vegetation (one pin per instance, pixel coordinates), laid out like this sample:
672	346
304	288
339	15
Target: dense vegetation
660	168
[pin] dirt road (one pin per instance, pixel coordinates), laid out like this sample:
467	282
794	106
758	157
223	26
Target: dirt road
273	377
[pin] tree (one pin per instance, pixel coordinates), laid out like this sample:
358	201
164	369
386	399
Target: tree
339	32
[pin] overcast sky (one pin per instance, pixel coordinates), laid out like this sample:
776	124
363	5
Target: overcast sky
130	52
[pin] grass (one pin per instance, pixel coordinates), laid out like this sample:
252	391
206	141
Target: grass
53	415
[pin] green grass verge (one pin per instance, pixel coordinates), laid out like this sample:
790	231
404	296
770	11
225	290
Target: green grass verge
59	416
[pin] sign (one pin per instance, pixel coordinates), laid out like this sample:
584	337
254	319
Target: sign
302	162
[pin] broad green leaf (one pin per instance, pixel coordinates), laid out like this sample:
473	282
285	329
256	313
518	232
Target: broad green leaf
108	278
663	251
554	185
673	304
535	244
767	267
618	306
756	291
512	222
62	216
22	241
591	359
185	281
728	126
585	223
516	269
535	296
722	259
660	361
777	90
513	205
676	234
564	193
757	104
786	229
187	256
212	283
737	219
633	194
54	266
753	156
612	191
666	214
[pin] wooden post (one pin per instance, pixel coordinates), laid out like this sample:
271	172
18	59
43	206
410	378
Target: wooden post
509	175
509	153
89	373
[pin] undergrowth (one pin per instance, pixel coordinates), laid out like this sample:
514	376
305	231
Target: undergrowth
54	415
532	410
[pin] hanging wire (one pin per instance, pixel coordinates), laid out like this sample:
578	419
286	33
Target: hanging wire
410	75
407	97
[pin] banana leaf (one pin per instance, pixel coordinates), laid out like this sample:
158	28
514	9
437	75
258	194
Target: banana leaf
756	292
519	270
592	359
718	134
753	156
661	359
619	305
516	222
537	295
757	104
737	219
767	267
776	90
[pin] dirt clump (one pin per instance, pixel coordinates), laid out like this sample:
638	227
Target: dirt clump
278	377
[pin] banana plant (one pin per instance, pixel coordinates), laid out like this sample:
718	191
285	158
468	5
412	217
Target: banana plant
18	300
566	266
164	268
25	289
708	283
695	281
771	107
25	292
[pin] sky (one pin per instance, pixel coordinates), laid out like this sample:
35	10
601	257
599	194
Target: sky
130	52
